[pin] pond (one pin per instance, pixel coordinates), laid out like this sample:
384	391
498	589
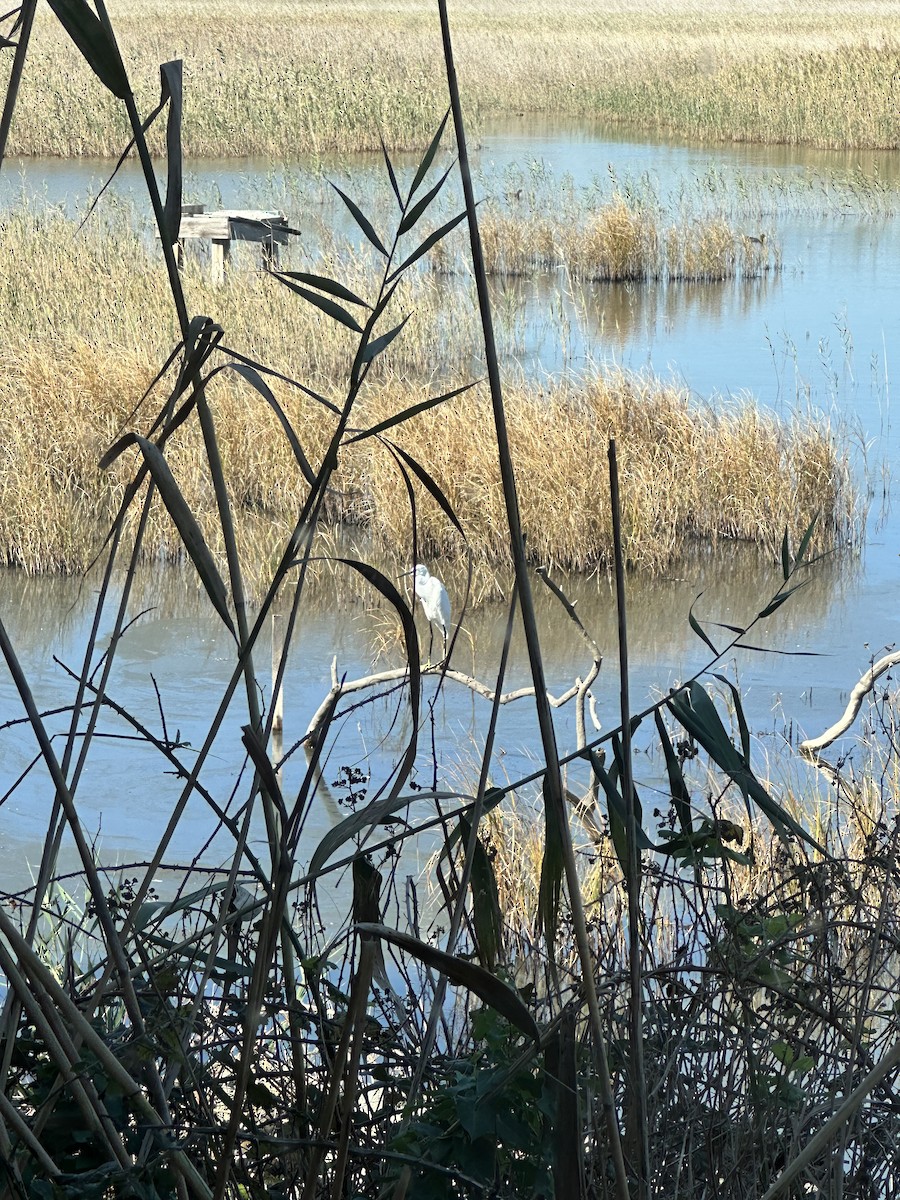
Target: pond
820	335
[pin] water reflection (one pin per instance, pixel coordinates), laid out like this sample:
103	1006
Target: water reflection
174	662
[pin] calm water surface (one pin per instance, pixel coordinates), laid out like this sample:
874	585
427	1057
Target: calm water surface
820	335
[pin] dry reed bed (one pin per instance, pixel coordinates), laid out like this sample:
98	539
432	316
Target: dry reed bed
689	471
277	81
620	242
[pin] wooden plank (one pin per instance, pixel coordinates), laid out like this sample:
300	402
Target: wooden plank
246	225
205	225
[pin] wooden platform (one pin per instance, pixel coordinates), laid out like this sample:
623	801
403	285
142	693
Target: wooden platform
221	228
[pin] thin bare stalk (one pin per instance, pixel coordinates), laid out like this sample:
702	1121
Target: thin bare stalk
26	20
637	1076
523	584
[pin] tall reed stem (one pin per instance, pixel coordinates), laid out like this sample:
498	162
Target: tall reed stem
553	787
637	1081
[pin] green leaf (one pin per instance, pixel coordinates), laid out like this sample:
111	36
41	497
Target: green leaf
681	796
431	240
777	601
739	714
804	541
695	625
426	480
94	43
158	910
428	157
412	411
362	221
552	866
379	812
171	90
381	343
618	816
391	173
186	524
268	779
700	717
463	973
367	882
327	306
702	720
324	284
486	916
264	370
412	215
785	556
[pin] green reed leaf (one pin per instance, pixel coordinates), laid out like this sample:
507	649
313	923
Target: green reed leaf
678	789
375	347
94	43
256	381
324	284
171	90
379	812
698	629
700	718
392	176
463	973
412	215
777	601
436	493
431	240
487	919
407	413
428	157
804	541
743	727
362	221
330	307
189	530
552	868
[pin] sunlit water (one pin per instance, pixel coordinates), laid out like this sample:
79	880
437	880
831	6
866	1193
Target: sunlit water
819	335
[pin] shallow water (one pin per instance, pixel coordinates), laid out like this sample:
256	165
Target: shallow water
821	335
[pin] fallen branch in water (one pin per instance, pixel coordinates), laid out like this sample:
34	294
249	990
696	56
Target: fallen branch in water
810	748
340	688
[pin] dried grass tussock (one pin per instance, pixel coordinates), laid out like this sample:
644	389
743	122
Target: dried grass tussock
690	471
278	79
620	242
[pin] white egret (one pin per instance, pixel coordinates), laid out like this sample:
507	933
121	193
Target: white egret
435	600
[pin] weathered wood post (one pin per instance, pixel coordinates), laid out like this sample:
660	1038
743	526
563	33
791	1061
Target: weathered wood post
219	257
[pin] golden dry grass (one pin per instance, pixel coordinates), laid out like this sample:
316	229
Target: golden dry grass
620	243
85	322
282	79
688	472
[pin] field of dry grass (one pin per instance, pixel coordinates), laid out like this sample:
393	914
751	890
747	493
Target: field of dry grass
84	324
281	79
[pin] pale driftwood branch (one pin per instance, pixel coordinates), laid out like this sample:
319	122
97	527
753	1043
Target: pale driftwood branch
398	674
811	747
592	708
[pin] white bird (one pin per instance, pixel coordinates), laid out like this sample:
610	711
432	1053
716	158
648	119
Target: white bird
435	600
